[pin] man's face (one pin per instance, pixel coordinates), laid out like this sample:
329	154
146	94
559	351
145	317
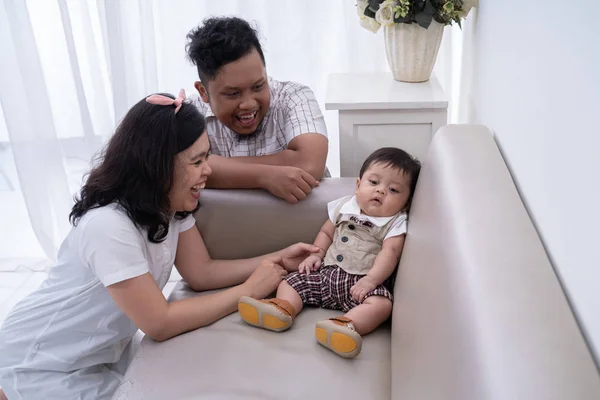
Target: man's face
239	95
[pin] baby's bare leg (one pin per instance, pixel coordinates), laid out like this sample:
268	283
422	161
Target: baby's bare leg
286	292
370	314
2	395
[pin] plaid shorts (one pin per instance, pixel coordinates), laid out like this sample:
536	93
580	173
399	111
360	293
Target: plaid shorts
329	287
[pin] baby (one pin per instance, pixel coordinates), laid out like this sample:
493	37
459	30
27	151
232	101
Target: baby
360	244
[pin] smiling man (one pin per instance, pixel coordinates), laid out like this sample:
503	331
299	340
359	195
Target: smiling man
263	133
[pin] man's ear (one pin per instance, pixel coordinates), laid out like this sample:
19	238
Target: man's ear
202	91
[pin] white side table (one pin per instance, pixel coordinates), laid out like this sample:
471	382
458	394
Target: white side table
377	111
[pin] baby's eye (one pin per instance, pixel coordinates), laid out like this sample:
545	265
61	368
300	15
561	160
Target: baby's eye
373	182
393	190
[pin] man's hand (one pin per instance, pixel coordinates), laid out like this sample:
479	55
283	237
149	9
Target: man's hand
311	263
362	287
293	255
289	183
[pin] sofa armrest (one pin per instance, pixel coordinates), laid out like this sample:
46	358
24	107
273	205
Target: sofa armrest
479	311
247	223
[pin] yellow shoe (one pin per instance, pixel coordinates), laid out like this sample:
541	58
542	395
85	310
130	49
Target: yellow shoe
272	314
338	335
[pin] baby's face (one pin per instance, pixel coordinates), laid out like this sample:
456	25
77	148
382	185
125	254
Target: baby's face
383	191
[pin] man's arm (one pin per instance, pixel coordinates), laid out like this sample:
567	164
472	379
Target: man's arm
289	183
232	173
307	152
283	174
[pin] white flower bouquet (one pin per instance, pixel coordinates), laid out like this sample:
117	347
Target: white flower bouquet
374	14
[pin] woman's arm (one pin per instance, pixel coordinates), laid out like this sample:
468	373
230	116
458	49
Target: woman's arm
203	273
143	302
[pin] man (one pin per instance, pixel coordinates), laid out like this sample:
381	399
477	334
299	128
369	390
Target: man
263	133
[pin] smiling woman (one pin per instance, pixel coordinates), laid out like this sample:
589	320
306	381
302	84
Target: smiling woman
145	156
131	223
191	172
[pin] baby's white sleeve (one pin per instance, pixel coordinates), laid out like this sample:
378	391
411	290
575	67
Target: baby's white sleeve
112	247
398	228
331	206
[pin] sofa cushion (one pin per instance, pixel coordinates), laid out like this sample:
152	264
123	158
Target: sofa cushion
249	223
233	360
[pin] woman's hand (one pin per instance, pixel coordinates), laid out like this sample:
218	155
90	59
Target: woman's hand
311	263
292	256
266	278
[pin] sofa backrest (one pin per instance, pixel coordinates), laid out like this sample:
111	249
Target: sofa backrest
249	223
479	311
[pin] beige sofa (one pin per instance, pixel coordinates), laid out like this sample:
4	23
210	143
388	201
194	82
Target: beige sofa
478	312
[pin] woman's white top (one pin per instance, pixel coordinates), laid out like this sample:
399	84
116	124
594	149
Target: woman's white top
71	322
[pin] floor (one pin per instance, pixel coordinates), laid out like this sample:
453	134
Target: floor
18	284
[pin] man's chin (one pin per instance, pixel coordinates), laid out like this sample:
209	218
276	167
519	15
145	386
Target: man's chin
245	131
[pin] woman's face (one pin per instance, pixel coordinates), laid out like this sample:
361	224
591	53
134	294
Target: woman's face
191	173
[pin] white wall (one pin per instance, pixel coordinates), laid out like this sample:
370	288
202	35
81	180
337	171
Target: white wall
536	84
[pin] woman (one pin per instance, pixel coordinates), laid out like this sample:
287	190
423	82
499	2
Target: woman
72	337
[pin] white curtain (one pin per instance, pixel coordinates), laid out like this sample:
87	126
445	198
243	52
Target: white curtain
70	69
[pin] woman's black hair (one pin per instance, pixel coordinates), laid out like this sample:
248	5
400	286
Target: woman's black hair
136	168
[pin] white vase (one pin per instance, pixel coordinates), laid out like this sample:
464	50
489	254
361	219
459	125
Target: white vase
412	50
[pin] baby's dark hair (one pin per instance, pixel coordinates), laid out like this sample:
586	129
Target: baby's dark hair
219	41
395	158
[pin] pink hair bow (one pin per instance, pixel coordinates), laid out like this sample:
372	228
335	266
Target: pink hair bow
161	100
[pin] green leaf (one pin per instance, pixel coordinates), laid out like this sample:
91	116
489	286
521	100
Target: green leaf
419	5
429	7
369	13
423	19
402	20
374	4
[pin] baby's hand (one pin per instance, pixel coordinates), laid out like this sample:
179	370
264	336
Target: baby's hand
361	288
311	263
